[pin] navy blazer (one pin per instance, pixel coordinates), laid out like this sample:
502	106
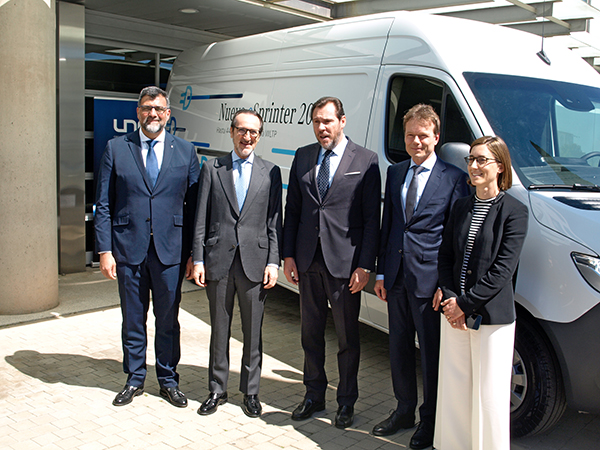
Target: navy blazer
493	261
128	210
413	247
346	221
221	228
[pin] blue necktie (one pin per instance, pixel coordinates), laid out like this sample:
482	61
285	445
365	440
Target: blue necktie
323	176
240	184
152	163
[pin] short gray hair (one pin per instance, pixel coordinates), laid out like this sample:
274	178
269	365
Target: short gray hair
153	92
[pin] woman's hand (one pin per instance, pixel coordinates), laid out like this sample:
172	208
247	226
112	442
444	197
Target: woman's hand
454	315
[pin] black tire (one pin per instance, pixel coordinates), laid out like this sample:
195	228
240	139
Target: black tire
538	395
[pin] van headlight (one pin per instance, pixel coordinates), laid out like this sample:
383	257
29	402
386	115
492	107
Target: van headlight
589	268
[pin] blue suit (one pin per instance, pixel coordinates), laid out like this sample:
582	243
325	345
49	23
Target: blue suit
408	256
149	231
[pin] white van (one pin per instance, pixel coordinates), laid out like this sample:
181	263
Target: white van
483	80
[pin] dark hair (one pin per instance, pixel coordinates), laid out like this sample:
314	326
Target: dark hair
247	111
423	113
499	149
339	108
153	92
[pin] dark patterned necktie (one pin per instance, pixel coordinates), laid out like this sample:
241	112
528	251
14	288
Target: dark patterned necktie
411	194
323	176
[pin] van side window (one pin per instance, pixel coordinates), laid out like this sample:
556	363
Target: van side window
406	92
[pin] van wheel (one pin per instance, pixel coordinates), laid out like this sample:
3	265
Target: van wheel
537	392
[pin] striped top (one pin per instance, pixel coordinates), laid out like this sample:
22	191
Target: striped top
480	212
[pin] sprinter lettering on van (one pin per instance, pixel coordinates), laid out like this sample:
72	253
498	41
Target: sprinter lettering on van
272	114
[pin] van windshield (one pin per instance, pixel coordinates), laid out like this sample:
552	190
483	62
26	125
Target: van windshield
551	128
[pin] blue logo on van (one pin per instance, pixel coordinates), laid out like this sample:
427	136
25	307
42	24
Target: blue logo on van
171	125
186	98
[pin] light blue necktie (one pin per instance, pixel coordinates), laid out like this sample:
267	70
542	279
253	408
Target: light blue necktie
240	185
152	163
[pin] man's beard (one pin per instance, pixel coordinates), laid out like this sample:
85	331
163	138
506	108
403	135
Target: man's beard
153	127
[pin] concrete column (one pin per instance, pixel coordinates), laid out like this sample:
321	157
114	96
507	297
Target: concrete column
28	196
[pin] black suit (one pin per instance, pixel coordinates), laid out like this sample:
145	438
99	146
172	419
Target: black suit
408	260
494	258
329	238
236	246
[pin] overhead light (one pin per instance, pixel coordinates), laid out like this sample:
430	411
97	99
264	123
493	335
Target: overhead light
189	11
121	51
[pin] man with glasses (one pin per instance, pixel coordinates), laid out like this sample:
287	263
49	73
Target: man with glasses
419	193
236	250
145	207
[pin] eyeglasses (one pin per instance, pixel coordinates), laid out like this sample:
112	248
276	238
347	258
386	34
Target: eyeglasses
481	160
242	132
147	109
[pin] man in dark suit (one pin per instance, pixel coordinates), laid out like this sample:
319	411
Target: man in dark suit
418	195
329	247
236	249
145	205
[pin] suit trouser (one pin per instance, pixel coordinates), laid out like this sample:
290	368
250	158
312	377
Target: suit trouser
473	410
135	283
316	286
408	314
251	299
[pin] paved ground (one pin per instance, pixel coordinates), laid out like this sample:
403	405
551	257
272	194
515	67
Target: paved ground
61	369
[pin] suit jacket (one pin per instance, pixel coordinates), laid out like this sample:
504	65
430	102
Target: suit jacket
128	209
413	247
346	220
493	260
220	227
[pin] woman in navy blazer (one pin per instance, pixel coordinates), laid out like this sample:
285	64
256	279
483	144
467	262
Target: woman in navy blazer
478	257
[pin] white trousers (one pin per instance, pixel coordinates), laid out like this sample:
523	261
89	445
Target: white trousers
473	402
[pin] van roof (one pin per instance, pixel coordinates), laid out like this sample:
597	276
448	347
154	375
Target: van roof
418	39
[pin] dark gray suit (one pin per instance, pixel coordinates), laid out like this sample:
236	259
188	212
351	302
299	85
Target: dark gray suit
329	238
236	247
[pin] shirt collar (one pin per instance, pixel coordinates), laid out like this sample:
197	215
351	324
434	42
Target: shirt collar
339	149
235	157
159	138
427	164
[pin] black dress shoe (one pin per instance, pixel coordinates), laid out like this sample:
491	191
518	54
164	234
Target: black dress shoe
251	406
344	417
307	408
392	424
174	396
211	404
423	437
126	395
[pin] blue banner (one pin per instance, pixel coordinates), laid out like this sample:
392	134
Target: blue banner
112	117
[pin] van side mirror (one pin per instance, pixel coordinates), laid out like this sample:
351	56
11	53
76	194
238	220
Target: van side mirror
455	153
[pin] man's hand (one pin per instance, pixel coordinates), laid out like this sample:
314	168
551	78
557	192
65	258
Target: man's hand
358	280
198	275
380	291
270	278
290	270
108	265
437	299
189	269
